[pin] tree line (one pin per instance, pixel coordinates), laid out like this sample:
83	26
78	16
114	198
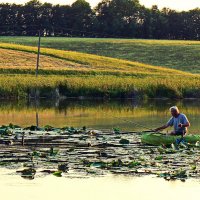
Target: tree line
110	18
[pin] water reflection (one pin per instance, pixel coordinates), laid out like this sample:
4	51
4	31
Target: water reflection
97	113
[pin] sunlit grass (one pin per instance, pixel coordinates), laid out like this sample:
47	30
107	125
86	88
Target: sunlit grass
101	86
80	74
12	59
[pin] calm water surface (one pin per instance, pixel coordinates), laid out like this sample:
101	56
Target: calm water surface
110	187
96	114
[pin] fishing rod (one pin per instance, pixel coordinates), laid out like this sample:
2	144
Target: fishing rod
137	124
131	122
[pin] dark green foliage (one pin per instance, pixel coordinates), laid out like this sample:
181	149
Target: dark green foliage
159	158
173	175
134	164
36	153
111	18
117	163
50	128
116	130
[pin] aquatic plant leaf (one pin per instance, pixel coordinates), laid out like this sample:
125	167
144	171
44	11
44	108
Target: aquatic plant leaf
134	164
116	130
117	163
124	141
159	158
98	164
193	167
28	173
58	173
36	153
53	152
84	128
63	167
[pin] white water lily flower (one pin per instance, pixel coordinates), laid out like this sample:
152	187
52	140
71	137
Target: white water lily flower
197	144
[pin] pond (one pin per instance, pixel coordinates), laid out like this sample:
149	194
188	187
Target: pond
127	115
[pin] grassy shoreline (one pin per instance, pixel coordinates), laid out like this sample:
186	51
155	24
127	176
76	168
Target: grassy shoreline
19	86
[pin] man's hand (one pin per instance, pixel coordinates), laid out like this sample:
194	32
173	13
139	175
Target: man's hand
161	128
180	125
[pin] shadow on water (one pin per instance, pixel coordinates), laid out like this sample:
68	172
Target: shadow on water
101	114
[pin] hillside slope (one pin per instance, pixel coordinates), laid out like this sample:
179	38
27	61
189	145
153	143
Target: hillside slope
182	55
76	74
20	57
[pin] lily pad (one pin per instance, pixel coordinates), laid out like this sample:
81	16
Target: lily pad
124	141
58	173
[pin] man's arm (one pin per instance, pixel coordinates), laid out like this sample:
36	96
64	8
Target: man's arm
162	128
168	124
187	124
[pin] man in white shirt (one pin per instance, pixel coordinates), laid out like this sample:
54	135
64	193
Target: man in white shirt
178	120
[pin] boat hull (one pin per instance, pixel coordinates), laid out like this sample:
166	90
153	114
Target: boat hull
159	139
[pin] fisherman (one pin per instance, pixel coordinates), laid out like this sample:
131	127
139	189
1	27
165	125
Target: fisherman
178	120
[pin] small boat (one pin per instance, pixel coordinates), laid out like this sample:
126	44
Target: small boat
160	139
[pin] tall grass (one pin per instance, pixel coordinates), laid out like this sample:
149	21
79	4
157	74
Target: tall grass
100	86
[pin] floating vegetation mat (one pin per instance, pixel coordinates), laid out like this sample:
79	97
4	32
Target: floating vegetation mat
71	152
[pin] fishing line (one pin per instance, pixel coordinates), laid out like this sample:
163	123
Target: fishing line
131	122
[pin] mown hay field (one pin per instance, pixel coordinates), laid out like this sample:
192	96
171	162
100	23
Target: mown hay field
175	54
95	62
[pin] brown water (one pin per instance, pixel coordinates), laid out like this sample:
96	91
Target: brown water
103	115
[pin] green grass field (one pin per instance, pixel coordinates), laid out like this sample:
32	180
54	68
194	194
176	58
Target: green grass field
181	55
84	72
